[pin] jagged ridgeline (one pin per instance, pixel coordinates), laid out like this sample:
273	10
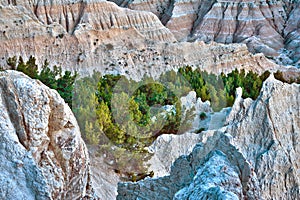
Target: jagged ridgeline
122	116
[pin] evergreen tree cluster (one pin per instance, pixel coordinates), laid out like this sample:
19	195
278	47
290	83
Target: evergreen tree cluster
220	89
53	78
117	113
125	109
122	116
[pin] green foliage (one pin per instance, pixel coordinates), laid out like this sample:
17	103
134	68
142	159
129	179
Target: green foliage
65	86
54	79
85	108
91	133
144	108
200	130
207	86
12	62
105	88
117	113
250	82
203	116
220	90
29	68
125	116
48	76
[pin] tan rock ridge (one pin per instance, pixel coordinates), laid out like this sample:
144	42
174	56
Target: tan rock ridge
110	39
42	153
265	26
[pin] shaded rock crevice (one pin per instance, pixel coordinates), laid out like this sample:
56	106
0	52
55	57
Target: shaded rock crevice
12	104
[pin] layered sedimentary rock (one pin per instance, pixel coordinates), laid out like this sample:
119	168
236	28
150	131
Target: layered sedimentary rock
62	32
41	150
97	15
256	156
88	35
265	26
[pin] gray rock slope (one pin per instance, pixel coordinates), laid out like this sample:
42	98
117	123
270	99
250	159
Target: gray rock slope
255	156
41	151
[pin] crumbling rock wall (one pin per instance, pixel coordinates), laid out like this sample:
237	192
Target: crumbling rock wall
213	168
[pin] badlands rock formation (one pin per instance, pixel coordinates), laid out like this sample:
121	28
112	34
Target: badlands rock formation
41	150
92	34
256	156
270	27
168	147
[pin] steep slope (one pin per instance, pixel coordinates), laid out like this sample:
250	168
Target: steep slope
88	35
41	150
265	26
256	156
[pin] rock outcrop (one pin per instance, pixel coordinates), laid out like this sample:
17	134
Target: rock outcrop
256	156
267	132
265	26
99	35
41	150
103	177
215	169
168	147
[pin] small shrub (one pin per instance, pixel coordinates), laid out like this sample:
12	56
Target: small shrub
109	46
203	116
12	62
200	130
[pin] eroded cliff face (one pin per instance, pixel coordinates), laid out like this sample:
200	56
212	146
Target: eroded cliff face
270	27
88	35
41	150
267	132
255	156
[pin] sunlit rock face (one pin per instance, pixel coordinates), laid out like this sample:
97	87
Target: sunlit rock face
41	150
99	35
270	27
255	156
